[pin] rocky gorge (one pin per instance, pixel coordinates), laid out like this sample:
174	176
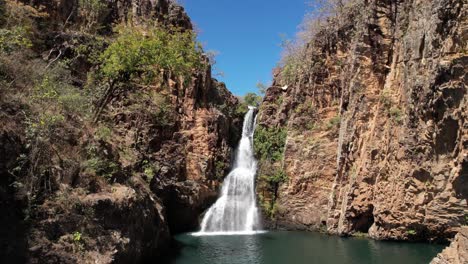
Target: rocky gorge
106	153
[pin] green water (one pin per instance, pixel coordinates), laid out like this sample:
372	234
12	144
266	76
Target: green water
298	248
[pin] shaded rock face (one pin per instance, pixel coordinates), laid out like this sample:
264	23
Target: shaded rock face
395	168
119	223
163	175
457	252
14	239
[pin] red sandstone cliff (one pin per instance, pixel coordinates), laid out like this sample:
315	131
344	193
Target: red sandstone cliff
376	120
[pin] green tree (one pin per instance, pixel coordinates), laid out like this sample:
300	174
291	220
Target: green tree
139	55
252	99
269	143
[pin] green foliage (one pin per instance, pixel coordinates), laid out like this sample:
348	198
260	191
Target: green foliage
91	11
43	126
386	99
17	24
270	207
394	112
242	109
91	49
14	39
252	99
310	125
279	100
220	167
333	122
360	234
77	237
47	89
396	115
290	70
141	55
103	133
269	143
54	91
411	232
269	146
98	164
162	111
148	170
276	177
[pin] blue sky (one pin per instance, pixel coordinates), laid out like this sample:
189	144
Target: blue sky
246	33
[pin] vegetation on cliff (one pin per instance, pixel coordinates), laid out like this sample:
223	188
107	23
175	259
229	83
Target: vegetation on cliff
269	146
98	107
374	109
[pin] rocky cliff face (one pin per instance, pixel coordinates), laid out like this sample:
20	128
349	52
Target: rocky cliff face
457	252
376	123
76	190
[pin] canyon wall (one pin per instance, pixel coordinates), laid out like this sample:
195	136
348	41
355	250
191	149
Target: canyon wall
375	116
113	189
457	252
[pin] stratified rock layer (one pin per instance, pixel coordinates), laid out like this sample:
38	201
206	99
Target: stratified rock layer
392	76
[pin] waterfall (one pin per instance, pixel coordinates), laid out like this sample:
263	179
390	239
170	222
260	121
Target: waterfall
235	211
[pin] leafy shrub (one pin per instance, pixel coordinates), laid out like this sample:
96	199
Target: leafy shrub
91	49
270	207
333	122
269	143
14	39
274	178
396	114
252	99
18	23
77	241
162	111
139	54
77	237
43	126
148	170
103	133
99	164
220	168
270	182
54	91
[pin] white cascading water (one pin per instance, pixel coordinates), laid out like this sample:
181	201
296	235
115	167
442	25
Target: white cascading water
235	211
